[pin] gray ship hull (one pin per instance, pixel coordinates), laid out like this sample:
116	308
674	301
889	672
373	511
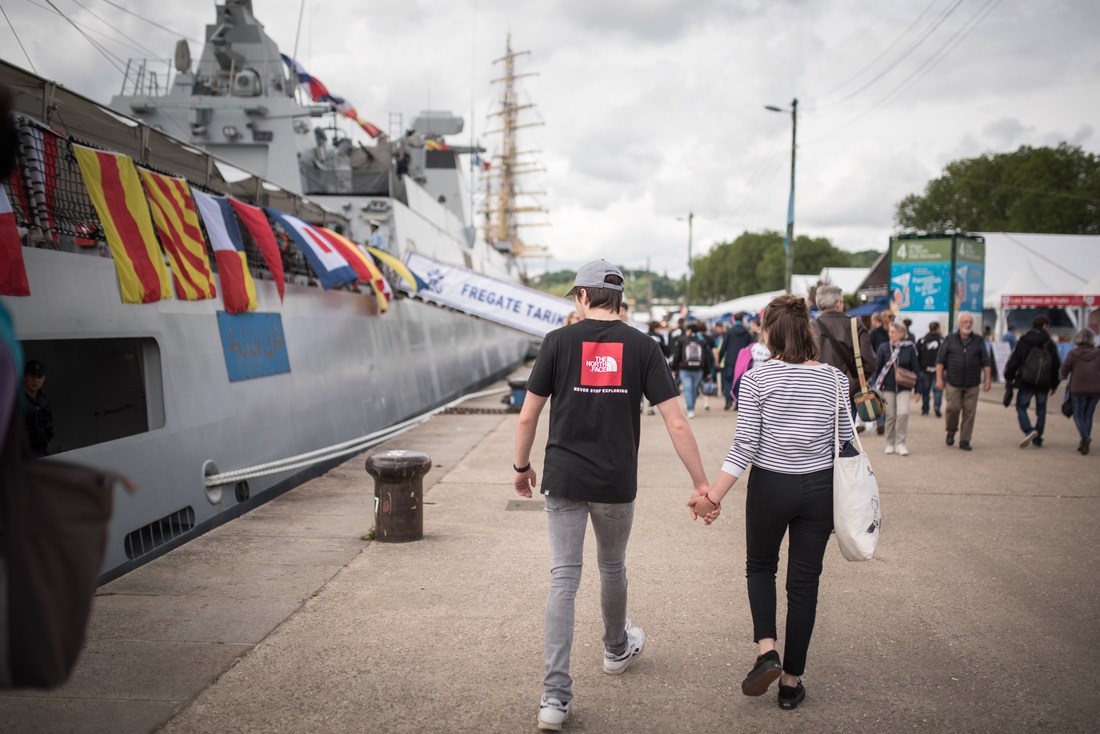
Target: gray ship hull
351	373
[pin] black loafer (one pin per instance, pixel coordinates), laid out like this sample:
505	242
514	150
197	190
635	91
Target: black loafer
951	439
763	674
964	445
791	696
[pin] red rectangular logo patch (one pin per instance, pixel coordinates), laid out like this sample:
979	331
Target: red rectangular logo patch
602	364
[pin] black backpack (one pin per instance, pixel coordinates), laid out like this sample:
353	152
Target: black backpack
1037	367
693	354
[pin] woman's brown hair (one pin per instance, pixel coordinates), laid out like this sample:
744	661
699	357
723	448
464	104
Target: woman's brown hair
791	337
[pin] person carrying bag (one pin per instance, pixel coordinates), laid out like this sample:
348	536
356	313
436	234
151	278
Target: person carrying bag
869	402
857	515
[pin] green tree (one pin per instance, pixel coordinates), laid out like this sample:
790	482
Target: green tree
1052	190
755	262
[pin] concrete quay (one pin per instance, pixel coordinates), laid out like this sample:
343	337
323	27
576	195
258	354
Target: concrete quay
981	612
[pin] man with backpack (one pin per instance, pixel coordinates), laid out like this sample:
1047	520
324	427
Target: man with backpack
1033	367
694	359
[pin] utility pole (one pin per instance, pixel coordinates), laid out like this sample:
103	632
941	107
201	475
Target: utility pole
691	217
788	239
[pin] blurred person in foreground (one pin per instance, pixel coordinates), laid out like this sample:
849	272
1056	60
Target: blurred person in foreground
1082	366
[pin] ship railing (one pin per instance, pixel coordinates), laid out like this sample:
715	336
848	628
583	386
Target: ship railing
346	448
141	78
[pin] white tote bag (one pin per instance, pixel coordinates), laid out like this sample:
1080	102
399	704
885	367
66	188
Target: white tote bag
856	514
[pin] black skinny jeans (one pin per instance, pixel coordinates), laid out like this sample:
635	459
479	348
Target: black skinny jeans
775	504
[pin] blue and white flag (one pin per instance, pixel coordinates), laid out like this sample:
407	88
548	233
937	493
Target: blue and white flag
329	265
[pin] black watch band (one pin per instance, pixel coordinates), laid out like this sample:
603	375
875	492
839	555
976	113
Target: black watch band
521	470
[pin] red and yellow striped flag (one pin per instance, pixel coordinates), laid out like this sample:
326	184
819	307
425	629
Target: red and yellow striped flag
178	225
115	190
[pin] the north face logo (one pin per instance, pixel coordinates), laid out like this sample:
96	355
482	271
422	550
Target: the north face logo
601	364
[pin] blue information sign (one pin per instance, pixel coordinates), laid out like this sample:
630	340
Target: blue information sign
253	344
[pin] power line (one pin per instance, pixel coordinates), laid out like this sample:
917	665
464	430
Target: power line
1029	189
102	50
885	51
849	45
905	54
18	39
921	71
151	22
137	45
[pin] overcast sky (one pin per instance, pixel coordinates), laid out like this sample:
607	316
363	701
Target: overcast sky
654	108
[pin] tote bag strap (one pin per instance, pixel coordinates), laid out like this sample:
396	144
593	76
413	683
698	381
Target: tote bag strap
836	421
859	360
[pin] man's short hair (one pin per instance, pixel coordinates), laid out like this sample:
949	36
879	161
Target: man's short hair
739	316
828	296
606	298
934	326
886	312
1040	321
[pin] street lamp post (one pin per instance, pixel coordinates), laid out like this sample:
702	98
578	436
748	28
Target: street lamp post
687	297
788	239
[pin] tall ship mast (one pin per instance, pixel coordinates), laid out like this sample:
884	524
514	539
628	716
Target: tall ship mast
506	200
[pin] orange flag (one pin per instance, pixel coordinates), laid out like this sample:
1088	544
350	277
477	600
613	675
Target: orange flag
178	225
115	190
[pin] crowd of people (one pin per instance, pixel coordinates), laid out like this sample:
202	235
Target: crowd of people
791	378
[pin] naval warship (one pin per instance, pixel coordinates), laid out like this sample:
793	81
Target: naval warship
147	389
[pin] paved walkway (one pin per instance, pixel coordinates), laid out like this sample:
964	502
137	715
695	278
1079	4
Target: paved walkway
981	612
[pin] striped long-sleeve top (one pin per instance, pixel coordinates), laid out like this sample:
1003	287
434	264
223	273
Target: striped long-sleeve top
785	418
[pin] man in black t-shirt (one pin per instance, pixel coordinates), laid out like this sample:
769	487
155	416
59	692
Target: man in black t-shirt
597	372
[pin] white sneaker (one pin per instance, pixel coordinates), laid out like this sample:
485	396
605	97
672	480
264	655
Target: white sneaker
889	448
553	713
1028	439
902	450
691	414
635	643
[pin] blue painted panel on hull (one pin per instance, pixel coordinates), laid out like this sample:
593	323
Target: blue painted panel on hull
253	344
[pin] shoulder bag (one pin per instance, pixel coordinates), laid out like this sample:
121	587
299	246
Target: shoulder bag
869	402
1067	400
856	513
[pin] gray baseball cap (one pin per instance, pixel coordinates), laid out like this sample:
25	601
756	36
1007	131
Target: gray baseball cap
592	275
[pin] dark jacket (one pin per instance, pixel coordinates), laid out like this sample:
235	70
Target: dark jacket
928	348
907	358
1034	339
1084	364
834	337
38	419
963	360
680	361
879	335
736	338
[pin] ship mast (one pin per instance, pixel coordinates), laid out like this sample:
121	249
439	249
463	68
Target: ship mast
502	220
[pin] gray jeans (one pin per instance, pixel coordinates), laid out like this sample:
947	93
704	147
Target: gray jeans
567	521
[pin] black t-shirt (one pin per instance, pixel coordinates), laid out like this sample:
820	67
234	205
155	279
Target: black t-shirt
595	373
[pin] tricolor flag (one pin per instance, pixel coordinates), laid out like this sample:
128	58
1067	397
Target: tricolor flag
260	229
318	92
415	283
362	264
435	145
13	274
115	190
178	225
238	289
329	265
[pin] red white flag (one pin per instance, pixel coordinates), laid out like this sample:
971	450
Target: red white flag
13	274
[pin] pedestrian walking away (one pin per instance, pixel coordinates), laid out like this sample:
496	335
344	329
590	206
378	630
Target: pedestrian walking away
594	373
834	337
1082	366
736	338
896	378
1033	369
961	366
928	349
785	430
694	361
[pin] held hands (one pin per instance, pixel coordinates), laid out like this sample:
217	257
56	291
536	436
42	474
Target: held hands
700	505
524	482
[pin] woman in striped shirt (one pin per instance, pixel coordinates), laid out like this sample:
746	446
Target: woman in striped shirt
785	430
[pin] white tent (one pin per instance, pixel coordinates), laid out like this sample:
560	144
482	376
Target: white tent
1037	264
750	304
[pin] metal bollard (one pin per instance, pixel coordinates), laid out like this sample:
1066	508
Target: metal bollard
519	392
398	494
